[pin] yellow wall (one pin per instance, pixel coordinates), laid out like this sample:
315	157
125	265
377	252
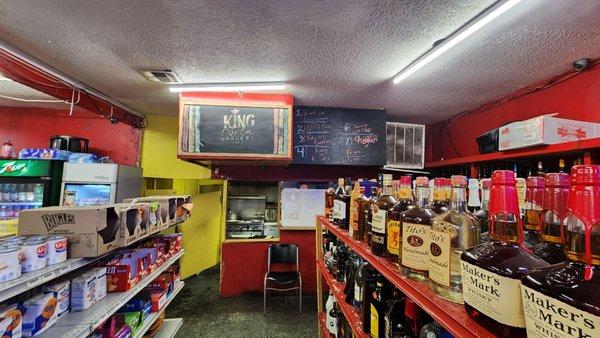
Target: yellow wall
203	231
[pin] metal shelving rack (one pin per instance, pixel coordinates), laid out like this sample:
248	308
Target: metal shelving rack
169	328
450	315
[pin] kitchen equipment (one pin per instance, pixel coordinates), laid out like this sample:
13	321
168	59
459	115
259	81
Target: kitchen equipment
71	143
86	184
232	216
270	215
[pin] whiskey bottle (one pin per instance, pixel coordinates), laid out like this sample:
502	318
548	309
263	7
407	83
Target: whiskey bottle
562	300
447	191
416	224
492	271
332	323
370	277
561	165
452	232
439	205
553	214
359	281
378	310
379	218
482	214
355	195
540	169
329	306
394	316
362	202
405	201
534	199
340	205
329	197
369	212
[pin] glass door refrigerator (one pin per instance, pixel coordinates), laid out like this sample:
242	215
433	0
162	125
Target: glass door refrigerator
27	184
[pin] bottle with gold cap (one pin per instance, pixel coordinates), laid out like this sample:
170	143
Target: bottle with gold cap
534	199
452	232
562	299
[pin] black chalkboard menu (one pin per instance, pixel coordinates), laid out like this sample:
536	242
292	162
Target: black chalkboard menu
234	130
339	136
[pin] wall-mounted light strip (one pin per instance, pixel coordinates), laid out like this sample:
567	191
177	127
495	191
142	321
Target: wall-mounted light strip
229	87
476	24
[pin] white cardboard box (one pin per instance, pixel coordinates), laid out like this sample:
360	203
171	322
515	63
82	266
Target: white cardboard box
543	130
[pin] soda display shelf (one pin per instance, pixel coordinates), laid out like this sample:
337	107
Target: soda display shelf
169	328
450	315
29	280
83	323
323	325
547	150
349	311
154	315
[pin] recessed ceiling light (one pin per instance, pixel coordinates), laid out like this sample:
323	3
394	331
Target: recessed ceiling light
476	24
230	87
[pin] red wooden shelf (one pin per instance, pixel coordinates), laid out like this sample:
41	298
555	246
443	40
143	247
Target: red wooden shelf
323	325
450	315
552	149
349	311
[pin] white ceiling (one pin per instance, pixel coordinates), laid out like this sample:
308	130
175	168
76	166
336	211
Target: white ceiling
15	94
331	52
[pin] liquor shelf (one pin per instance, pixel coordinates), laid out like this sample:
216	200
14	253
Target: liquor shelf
83	323
154	315
169	328
450	315
349	311
323	325
552	149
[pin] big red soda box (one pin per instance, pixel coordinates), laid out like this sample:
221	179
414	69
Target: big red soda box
39	313
11	321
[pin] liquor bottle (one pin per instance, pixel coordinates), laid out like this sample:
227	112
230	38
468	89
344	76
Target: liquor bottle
492	271
362	201
355	193
473	193
405	201
329	197
378	310
379	218
394	316
351	269
540	169
534	199
561	165
342	261
553	214
482	214
434	330
438	202
328	308
521	189
359	281
452	232
371	276
416	224
369	212
562	299
340	205
332	322
447	191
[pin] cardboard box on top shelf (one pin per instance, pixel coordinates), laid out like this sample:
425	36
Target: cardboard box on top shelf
90	231
543	130
135	220
173	208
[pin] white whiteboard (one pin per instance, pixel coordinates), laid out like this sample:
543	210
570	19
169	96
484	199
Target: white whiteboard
300	207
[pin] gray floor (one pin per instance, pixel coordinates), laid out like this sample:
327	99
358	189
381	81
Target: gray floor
206	315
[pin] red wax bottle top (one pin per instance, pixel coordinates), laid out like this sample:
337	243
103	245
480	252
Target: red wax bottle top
559	180
555	194
582	203
447	182
503	193
422	181
405	180
438	182
535	190
458	181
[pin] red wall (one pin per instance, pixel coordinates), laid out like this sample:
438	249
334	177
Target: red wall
243	265
577	98
32	128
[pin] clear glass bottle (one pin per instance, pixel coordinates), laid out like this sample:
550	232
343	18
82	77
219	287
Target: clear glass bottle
492	271
439	204
452	232
534	199
416	224
553	214
562	300
405	201
341	207
379	219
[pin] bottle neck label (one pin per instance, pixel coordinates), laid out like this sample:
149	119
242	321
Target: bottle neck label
495	296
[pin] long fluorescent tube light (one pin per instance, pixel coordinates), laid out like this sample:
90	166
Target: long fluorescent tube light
455	38
229	87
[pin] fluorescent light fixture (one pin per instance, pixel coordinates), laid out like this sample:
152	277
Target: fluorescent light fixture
229	87
2	78
463	33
